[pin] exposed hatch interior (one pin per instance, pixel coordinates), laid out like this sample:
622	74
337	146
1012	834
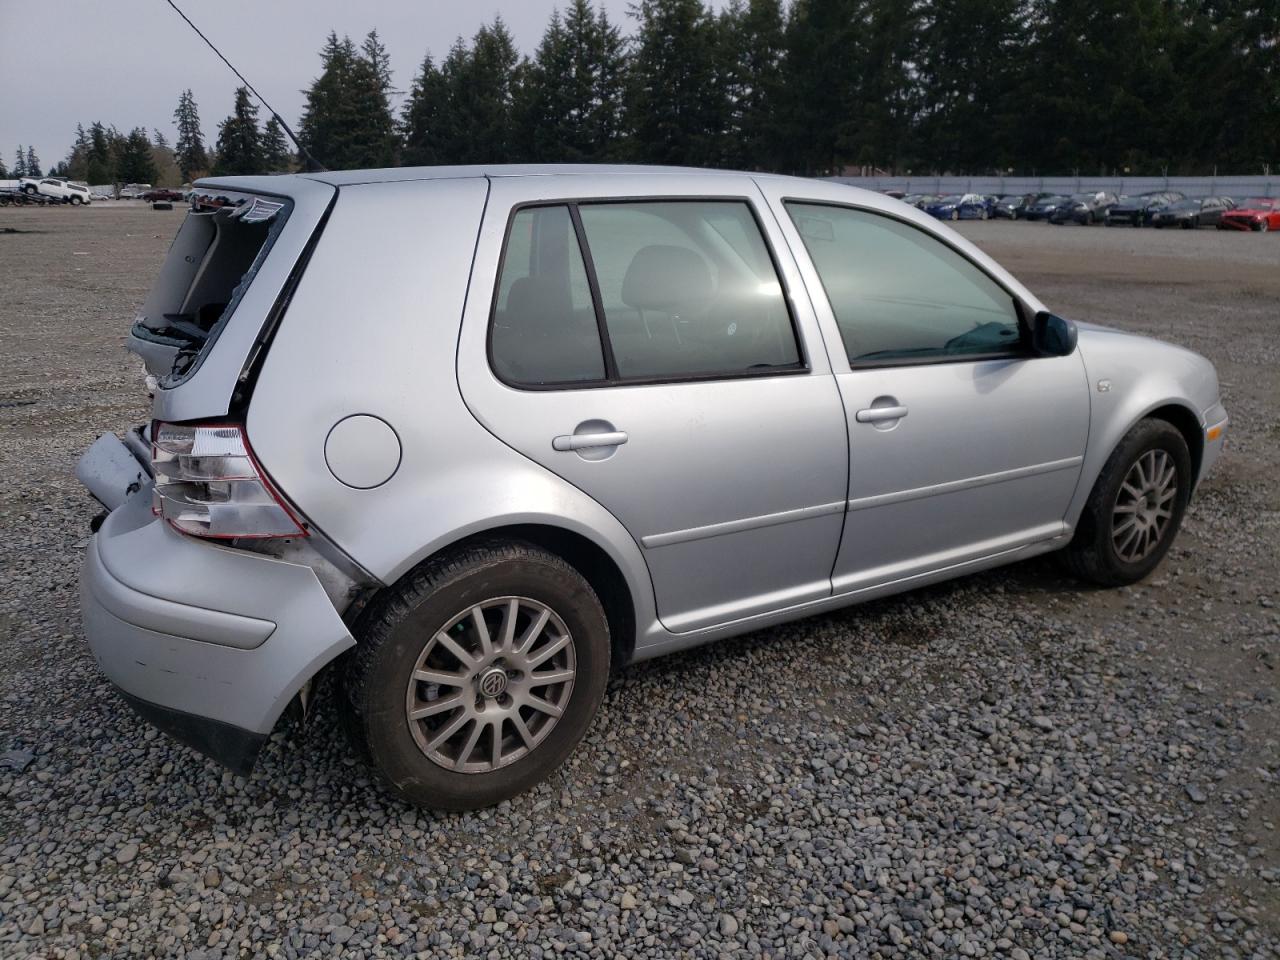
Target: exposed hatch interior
212	261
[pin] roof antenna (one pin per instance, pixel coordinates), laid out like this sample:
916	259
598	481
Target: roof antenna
313	163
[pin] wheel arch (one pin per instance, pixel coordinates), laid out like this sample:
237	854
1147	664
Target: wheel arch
1174	411
1187	423
585	555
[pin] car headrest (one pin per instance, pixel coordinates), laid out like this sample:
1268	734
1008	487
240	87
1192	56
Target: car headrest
537	304
666	278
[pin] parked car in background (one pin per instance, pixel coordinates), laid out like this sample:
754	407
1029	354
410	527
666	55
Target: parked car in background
56	188
960	206
1014	206
1083	208
920	200
161	193
1252	213
1043	208
132	191
605	414
1192	212
1138	209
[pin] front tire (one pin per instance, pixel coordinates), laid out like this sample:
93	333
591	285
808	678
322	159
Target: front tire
476	676
1135	508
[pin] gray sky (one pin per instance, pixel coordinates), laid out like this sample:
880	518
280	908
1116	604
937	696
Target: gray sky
126	61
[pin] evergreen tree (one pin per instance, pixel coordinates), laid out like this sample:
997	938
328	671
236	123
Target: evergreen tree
751	47
4	171
239	141
371	90
192	158
276	155
75	166
822	63
99	159
134	163
568	103
33	163
347	121
1111	106
1227	57
482	94
422	115
20	163
677	101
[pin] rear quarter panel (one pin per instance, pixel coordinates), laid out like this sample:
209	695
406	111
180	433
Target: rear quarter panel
373	329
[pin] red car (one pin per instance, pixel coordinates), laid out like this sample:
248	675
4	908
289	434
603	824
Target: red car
1255	213
161	194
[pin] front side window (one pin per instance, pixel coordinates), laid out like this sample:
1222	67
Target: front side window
899	295
682	289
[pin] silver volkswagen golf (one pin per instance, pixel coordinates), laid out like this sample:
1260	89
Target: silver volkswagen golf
475	436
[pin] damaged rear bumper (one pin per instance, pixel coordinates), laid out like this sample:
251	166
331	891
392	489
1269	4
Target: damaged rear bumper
208	643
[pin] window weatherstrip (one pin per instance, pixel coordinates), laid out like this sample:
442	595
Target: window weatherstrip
597	300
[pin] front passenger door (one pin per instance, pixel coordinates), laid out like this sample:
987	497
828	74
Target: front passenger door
963	445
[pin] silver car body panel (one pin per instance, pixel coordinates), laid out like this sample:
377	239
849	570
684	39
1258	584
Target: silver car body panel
206	630
734	505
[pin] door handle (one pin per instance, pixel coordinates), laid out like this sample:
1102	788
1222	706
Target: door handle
880	414
584	441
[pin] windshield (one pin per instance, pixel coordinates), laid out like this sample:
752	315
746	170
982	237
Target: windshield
953	198
1258	203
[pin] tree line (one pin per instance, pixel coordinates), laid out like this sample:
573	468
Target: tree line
822	86
808	86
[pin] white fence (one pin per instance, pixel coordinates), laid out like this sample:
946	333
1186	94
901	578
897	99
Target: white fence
1191	186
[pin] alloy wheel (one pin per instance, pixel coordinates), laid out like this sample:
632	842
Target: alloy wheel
1144	506
491	684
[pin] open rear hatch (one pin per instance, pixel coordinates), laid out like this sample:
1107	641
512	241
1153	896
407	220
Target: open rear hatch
210	315
213	260
223	287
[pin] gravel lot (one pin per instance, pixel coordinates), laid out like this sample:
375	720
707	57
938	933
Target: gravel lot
1006	766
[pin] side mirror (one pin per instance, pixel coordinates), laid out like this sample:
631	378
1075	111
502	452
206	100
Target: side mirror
1052	336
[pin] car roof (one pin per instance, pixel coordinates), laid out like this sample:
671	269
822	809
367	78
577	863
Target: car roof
340	178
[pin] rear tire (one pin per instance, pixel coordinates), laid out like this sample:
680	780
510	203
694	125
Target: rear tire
1135	508
499	745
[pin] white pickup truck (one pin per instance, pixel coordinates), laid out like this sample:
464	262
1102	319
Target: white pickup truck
55	188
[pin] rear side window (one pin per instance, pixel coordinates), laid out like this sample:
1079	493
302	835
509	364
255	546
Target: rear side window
898	294
638	291
544	324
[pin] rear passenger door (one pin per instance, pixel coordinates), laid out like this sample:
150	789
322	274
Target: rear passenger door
650	351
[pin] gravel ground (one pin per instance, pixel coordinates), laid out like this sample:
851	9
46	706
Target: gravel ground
1005	766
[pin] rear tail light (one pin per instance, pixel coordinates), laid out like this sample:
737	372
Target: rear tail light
208	484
